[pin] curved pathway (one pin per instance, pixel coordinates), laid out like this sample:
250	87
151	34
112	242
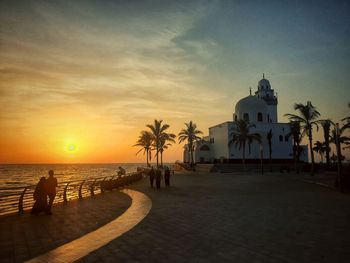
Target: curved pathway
80	247
236	218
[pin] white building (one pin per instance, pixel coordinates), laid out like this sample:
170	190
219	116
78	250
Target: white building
259	109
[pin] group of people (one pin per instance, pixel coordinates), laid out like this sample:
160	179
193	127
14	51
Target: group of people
44	194
156	174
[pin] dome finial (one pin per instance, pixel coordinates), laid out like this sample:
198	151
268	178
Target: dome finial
263	75
250	91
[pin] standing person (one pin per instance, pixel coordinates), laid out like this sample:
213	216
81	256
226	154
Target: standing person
158	178
151	177
39	195
167	176
51	184
121	171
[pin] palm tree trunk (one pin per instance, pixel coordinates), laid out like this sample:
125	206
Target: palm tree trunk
270	156
243	156
312	154
157	157
327	151
295	155
161	159
147	157
191	154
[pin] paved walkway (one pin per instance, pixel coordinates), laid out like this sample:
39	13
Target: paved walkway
80	247
220	218
24	237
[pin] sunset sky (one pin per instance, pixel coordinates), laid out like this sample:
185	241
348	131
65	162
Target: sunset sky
90	75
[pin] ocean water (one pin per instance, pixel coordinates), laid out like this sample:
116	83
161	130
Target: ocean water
17	175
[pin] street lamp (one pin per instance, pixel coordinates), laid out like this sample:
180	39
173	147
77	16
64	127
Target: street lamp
261	159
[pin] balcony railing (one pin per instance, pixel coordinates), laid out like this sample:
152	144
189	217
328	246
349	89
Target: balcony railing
19	199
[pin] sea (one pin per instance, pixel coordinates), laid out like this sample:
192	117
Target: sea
18	175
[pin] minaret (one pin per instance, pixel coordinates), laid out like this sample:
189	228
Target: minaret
268	95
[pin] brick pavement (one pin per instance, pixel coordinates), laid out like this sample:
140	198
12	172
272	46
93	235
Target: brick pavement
218	218
236	218
25	236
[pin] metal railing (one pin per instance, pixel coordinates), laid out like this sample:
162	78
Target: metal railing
19	199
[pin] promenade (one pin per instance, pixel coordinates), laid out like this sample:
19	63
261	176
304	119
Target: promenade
201	218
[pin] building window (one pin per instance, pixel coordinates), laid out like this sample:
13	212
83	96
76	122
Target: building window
286	138
281	138
260	116
246	116
268	117
204	148
235	117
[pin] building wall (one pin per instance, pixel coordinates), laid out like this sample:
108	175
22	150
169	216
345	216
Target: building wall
280	149
219	138
201	155
272	112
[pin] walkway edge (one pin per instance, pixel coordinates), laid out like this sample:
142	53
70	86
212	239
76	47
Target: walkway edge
78	248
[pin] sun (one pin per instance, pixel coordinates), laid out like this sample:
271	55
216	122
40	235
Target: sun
71	147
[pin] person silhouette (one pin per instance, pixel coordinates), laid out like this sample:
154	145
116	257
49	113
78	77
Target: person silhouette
51	184
39	195
158	177
121	171
167	176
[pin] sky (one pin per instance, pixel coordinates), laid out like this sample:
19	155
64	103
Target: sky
79	80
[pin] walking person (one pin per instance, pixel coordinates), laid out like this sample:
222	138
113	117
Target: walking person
39	195
51	184
151	176
158	178
167	177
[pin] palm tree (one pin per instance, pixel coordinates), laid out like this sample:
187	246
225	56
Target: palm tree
295	133
343	139
269	141
164	145
338	139
241	136
158	134
145	142
320	148
347	120
307	119
326	126
190	133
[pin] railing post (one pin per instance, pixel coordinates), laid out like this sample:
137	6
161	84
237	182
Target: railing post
92	188
80	188
65	192
20	202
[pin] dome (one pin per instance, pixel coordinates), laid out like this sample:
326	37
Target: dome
251	105
264	82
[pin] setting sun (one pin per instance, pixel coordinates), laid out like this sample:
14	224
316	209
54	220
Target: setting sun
72	148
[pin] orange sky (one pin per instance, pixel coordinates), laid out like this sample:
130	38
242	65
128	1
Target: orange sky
93	74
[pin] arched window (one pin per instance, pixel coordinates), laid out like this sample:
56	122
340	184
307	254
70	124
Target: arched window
281	138
268	117
246	116
260	116
235	117
204	148
286	138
